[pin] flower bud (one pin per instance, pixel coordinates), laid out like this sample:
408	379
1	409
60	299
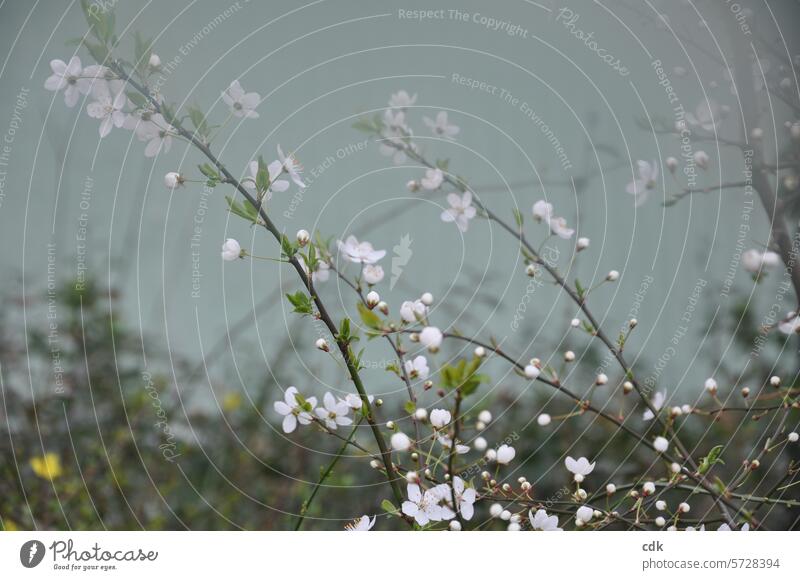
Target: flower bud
427	298
711	386
601	379
671	163
173	179
480	352
627	387
383	307
581	244
684	507
421	414
775	381
322	344
155	60
532	372
455	526
745	392
611	489
612	276
373	299
530	270
543	420
575	322
792	437
303	237
569	356
660	522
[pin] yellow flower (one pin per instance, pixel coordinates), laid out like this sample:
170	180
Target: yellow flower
231	402
47	467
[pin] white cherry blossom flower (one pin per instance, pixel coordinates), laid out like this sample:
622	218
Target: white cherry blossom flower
559	227
542	522
242	104
580	468
158	134
584	515
440	127
431	337
460	211
657	402
107	106
465	498
334	412
274	169
292	167
362	524
395	133
372	273
321	273
706	116
402	100
413	311
505	453
69	77
754	261
359	252
293	412
231	250
542	211
400	442
425	508
433	179
417	368
439	418
791	325
447	443
647	180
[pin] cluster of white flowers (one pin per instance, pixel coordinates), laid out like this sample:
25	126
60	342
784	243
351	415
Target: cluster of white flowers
333	412
363	253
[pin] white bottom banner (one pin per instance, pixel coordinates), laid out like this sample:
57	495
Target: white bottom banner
389	555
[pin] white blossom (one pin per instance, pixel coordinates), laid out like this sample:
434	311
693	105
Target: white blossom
426	507
754	261
433	179
647	180
505	454
418	369
231	250
413	311
69	78
543	420
584	515
580	468
440	417
431	337
333	413
107	106
440	127
460	211
291	166
242	104
359	252
542	522
706	116
400	442
657	402
157	133
447	443
465	498
293	411
372	273
173	179
661	444
401	100
791	325
362	524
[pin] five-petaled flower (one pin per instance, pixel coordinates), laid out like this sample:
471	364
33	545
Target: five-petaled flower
417	368
294	409
110	100
359	252
242	104
333	413
580	468
543	522
440	127
460	211
641	186
362	524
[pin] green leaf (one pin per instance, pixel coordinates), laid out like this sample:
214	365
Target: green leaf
262	176
245	211
410	407
199	121
518	218
711	459
579	288
369	318
139	100
287	247
301	302
388	507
